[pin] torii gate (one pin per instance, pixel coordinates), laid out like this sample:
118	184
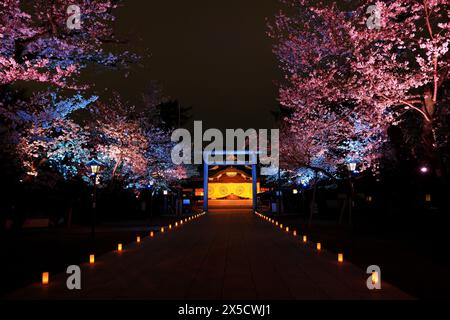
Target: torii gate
206	163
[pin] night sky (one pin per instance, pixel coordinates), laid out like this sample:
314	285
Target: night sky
212	55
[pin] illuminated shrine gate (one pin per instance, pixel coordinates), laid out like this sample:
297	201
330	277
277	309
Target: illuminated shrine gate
237	188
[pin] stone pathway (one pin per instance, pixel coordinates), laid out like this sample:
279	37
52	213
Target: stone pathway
217	256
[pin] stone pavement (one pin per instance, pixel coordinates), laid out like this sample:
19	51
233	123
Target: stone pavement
217	256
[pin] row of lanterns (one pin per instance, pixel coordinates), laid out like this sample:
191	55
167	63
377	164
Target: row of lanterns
340	257
46	275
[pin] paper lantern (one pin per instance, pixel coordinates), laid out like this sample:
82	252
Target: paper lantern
428	197
319	246
170	226
92	259
138	239
340	257
162	229
176	224
295	233
305	239
152	234
287	229
281	226
375	278
45	277
119	247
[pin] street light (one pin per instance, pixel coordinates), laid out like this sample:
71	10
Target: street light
351	166
95	167
424	169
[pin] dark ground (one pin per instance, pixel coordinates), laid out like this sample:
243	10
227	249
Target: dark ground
412	257
30	252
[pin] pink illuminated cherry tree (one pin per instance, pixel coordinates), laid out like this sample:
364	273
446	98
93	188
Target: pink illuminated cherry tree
351	72
39	46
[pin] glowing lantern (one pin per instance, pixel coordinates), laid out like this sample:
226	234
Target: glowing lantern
119	247
281	226
276	223
287	229
294	191
295	233
375	278
176	224
152	234
170	226
165	192
138	239
92	259
428	197
181	222
319	246
305	239
162	229
424	169
340	257
351	166
45	277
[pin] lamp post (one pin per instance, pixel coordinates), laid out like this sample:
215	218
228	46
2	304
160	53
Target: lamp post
165	194
95	167
351	167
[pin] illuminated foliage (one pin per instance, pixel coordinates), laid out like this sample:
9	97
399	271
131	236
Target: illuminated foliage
346	80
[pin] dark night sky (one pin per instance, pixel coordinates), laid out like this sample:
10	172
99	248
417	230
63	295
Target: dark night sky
212	55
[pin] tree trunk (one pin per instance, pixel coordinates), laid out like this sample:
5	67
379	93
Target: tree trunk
312	206
430	151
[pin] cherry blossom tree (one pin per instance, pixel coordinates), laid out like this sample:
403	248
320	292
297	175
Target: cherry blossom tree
133	151
350	73
49	136
37	44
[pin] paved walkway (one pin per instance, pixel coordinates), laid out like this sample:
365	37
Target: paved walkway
217	256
